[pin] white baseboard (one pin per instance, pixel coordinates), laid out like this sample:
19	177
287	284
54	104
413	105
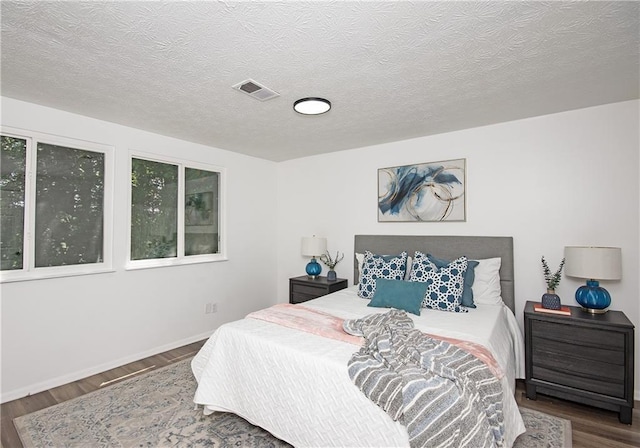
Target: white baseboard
75	376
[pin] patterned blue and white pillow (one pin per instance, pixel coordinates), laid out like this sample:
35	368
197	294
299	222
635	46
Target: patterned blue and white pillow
391	267
444	285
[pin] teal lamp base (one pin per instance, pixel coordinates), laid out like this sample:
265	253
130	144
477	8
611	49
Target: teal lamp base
313	268
593	298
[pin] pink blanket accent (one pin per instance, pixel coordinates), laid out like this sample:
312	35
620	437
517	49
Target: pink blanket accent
306	319
326	325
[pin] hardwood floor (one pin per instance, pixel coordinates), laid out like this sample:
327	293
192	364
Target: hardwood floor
592	428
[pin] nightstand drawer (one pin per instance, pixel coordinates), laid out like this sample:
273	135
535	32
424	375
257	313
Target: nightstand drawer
546	346
299	298
562	367
575	335
309	290
571	379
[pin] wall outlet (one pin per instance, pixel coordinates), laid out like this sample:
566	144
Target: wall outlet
211	308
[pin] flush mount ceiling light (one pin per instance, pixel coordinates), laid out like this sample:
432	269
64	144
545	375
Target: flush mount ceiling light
312	106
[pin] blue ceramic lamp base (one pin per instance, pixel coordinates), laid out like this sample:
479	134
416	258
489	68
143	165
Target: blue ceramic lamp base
593	298
313	268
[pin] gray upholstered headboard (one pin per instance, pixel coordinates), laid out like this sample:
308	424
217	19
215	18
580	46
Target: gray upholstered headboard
450	247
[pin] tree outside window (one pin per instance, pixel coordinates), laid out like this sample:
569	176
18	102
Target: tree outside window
154	201
52	204
13	161
175	211
69	206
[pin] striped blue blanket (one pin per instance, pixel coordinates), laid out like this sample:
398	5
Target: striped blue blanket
444	396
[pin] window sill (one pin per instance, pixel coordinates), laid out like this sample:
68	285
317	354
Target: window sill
167	262
14	276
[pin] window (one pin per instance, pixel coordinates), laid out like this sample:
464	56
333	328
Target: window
175	213
53	205
154	221
13	163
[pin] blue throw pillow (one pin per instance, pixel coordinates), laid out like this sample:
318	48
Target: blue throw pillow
444	285
399	294
469	278
391	267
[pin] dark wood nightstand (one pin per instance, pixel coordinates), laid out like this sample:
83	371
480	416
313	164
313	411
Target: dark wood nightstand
304	288
586	358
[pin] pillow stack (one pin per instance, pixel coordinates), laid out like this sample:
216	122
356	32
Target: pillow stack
444	284
434	283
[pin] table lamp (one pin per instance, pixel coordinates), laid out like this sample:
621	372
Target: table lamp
313	247
593	264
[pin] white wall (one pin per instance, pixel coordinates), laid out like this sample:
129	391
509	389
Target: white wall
551	181
58	330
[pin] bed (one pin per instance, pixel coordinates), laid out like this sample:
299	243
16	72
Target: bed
295	384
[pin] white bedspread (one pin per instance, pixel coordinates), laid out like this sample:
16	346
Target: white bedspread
295	384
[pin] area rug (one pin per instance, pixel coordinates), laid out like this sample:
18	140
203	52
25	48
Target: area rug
156	410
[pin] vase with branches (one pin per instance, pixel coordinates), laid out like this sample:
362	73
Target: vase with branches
551	300
331	263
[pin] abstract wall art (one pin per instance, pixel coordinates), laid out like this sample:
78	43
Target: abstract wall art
426	192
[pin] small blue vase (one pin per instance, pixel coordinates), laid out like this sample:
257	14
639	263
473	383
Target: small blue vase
331	276
594	298
551	301
313	268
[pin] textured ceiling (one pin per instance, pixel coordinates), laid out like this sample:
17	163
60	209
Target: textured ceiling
393	70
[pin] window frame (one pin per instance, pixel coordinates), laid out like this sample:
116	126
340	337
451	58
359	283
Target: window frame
29	271
180	258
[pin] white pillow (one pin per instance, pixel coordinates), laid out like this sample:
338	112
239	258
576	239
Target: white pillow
360	259
486	286
407	273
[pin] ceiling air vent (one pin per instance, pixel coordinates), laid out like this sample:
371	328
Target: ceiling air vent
256	90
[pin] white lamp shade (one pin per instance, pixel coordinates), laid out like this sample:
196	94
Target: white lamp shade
596	263
313	246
